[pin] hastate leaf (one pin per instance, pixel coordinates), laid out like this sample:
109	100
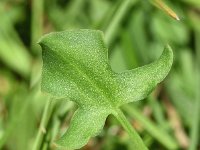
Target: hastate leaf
75	65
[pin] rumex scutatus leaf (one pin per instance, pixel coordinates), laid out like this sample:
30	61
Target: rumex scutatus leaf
75	65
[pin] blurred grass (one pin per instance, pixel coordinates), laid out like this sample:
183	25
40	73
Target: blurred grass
136	33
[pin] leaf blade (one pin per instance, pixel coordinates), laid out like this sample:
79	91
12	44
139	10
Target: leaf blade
80	132
138	83
84	64
75	65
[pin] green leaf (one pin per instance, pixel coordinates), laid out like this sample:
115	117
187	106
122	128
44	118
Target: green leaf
76	66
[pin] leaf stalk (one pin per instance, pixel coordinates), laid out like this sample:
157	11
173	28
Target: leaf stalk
136	139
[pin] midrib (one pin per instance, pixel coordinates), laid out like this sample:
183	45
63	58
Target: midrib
82	73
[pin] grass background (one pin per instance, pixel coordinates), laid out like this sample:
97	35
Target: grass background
135	32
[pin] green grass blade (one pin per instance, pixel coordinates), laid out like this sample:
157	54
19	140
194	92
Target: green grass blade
154	130
195	128
115	21
36	24
45	118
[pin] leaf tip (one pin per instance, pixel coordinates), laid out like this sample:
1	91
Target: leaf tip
169	49
63	143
